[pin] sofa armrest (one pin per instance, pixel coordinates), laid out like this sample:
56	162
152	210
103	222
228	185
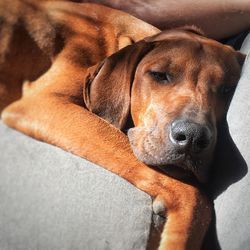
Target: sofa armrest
51	199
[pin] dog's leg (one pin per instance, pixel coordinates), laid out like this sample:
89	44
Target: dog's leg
53	114
188	214
71	127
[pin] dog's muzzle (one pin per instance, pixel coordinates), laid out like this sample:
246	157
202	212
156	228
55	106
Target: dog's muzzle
184	144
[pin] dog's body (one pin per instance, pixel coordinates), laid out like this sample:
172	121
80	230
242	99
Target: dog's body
46	56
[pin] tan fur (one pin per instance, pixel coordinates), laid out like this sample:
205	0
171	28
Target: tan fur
53	50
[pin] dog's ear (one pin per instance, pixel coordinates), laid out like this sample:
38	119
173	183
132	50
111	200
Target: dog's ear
107	86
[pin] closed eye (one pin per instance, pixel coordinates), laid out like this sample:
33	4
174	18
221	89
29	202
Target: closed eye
161	77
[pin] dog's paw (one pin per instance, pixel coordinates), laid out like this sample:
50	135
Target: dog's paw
159	206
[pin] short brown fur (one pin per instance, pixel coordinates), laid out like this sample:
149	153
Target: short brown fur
49	90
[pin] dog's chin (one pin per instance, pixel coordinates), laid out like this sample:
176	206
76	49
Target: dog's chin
177	165
181	167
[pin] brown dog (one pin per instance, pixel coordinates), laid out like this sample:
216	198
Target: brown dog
174	85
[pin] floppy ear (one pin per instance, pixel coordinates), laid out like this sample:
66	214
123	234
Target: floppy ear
107	85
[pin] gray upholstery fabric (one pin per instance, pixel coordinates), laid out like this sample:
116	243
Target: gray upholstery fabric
245	48
50	199
233	206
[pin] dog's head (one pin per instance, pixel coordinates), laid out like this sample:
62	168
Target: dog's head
176	85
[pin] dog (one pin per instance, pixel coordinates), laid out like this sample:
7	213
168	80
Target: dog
82	76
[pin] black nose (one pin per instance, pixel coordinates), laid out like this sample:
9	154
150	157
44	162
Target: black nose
190	136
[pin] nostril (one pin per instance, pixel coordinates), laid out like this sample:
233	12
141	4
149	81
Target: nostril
180	137
202	143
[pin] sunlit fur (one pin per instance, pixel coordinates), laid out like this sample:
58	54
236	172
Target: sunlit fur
49	88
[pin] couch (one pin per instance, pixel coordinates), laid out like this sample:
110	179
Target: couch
51	199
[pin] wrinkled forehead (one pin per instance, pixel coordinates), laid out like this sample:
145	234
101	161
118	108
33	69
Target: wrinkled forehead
182	44
179	34
191	51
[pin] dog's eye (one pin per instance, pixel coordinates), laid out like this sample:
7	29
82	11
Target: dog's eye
162	77
225	90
